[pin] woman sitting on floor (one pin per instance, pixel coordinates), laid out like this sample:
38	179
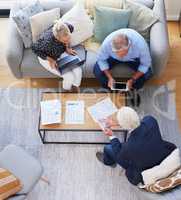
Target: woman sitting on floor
51	44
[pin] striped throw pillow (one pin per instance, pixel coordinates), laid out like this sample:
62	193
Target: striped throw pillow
9	184
164	184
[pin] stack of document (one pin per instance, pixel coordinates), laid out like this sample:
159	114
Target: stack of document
74	113
102	110
50	112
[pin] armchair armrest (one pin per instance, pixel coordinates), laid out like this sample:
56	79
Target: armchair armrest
159	41
22	165
14	50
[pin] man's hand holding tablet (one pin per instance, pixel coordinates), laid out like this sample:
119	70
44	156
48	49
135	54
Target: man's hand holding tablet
120	86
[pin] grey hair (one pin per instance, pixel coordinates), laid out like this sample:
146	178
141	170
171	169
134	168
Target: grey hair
128	118
120	41
60	29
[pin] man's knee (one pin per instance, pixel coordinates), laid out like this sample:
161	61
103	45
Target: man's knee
108	149
97	71
141	81
148	74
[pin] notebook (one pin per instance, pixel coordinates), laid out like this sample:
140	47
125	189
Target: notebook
50	112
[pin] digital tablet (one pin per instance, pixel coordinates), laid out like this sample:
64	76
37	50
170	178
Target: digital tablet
121	86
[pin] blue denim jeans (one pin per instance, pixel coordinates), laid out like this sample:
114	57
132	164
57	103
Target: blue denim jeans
132	64
109	157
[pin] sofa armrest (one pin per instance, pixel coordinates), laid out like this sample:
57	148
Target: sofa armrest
159	41
15	48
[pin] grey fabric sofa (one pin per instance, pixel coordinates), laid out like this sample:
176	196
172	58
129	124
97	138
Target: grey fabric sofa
23	166
23	63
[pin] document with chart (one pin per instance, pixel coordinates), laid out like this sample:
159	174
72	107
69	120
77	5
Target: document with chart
74	112
50	112
102	109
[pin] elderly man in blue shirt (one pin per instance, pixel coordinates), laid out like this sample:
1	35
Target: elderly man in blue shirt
124	46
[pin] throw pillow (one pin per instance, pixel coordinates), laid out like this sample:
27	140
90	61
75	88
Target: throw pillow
166	184
166	167
142	18
108	20
83	25
9	184
43	20
21	19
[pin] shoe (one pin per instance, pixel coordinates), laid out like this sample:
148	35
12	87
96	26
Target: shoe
75	89
100	157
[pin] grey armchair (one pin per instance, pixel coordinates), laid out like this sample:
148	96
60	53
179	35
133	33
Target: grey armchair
23	166
23	63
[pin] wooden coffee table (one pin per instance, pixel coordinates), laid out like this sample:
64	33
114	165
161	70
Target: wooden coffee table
90	125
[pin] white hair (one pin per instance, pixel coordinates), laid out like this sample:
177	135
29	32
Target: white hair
60	29
128	118
120	41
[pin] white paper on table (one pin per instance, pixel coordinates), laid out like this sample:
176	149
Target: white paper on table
50	112
102	109
74	113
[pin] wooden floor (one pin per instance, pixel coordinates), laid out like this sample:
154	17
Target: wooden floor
172	72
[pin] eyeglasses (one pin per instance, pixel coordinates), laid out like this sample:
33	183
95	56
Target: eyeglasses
123	48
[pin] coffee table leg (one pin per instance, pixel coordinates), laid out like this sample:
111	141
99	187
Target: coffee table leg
42	136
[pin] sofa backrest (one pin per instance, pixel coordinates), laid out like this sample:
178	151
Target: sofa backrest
89	4
115	3
64	5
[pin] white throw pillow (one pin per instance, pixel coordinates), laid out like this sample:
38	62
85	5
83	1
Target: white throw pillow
166	167
83	25
41	21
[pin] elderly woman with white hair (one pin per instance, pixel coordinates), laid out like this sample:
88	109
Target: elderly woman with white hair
124	46
144	148
52	43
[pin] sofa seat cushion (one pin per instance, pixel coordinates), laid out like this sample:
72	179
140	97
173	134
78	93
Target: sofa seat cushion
22	165
119	71
30	66
92	45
